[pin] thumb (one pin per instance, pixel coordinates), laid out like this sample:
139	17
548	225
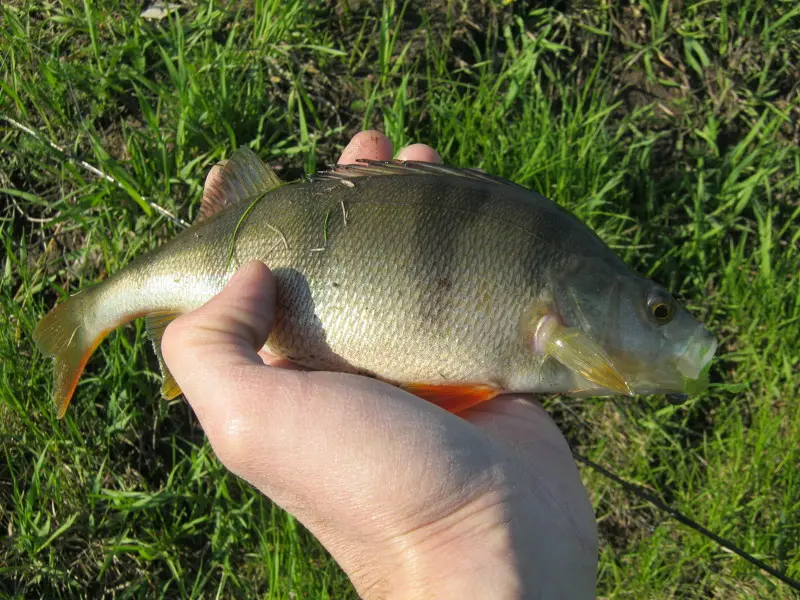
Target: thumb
204	347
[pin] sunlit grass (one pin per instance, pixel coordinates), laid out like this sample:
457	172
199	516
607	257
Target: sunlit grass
674	134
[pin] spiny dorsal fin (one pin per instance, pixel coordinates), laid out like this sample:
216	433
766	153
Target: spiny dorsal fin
243	177
376	168
156	323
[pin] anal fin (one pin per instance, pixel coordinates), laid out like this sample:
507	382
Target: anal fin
454	398
156	324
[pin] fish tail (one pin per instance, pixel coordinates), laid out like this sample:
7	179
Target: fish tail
69	334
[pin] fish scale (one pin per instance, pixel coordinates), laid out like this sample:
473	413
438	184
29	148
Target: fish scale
430	324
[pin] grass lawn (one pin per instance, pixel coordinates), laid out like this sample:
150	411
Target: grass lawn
672	128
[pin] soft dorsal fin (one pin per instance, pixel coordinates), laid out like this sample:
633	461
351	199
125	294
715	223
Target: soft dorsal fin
377	168
243	177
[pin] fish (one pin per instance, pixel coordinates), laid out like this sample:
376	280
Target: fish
453	284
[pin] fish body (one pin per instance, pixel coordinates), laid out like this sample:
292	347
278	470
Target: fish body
449	282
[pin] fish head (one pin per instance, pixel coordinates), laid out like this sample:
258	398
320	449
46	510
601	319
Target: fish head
617	332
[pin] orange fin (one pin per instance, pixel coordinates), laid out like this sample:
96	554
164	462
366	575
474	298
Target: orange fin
156	326
65	335
454	398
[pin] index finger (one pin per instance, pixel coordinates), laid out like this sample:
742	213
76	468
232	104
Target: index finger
367	145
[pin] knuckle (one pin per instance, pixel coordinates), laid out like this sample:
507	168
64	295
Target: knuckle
232	438
232	442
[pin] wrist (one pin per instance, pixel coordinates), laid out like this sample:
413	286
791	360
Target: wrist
469	554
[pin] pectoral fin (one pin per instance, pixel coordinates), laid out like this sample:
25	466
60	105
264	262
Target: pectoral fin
580	353
156	325
454	398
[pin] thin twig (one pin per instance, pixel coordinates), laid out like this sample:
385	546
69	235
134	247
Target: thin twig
37	220
650	497
692	524
92	169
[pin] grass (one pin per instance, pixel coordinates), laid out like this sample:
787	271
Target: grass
672	128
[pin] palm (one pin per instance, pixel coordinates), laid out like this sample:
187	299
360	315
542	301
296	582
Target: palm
382	477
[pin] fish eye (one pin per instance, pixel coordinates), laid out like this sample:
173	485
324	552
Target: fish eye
661	307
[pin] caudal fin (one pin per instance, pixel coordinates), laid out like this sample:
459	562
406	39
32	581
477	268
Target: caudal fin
66	334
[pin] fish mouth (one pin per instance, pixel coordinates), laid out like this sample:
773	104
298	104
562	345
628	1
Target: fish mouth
700	349
694	362
685	373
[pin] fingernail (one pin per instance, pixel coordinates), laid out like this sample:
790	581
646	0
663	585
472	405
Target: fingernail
420	152
245	271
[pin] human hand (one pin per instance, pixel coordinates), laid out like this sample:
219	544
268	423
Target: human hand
411	501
